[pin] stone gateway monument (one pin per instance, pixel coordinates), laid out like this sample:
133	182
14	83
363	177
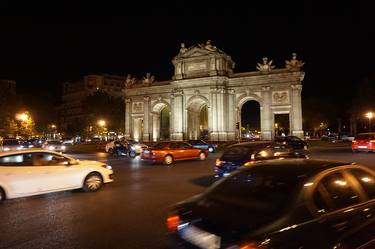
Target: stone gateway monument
205	98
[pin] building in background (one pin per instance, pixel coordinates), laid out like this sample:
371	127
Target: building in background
8	104
74	94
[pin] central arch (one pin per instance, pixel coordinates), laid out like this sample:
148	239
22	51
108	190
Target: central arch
250	125
161	113
197	118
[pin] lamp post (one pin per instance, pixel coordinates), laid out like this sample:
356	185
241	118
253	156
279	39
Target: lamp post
102	125
369	115
54	131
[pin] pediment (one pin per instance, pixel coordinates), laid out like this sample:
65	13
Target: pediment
197	52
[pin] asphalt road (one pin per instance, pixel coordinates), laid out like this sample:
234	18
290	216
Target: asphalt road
129	213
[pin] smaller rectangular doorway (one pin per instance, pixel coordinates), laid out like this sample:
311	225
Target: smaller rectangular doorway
282	125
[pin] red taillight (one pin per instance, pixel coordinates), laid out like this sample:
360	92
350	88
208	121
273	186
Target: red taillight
173	222
218	163
249	246
354	141
372	141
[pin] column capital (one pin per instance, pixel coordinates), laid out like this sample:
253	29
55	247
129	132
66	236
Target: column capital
128	100
146	98
296	87
266	88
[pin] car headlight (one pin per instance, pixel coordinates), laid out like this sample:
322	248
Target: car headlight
107	166
20	147
31	146
132	147
63	147
138	147
6	149
51	147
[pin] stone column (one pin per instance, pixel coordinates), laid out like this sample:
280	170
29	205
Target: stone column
127	118
266	114
178	114
146	124
219	114
297	129
155	127
232	115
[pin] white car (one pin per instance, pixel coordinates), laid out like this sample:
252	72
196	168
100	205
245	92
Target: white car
36	171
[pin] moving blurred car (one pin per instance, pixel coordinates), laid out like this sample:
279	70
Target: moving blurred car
246	154
295	142
200	144
168	152
289	204
54	145
36	171
68	141
364	142
9	144
126	147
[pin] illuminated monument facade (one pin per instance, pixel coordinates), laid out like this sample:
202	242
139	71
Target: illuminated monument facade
205	97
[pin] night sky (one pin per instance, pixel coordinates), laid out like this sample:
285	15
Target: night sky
42	45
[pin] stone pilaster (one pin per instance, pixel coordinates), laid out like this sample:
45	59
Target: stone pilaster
127	118
297	129
266	114
178	116
146	123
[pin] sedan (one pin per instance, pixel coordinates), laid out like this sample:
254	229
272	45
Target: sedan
168	152
246	154
54	145
291	203
295	142
364	142
200	144
35	171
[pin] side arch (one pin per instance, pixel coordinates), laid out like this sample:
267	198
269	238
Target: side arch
243	98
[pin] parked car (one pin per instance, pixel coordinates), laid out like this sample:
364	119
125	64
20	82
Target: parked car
364	142
246	154
54	145
9	144
200	144
291	203
36	171
295	142
168	152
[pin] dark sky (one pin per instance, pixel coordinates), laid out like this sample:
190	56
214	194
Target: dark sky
42	45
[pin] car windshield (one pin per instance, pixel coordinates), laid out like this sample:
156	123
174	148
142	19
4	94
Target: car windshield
159	145
365	137
54	142
241	153
10	142
258	189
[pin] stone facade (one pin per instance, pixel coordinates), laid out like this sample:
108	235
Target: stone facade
204	78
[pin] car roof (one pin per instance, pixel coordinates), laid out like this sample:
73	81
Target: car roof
253	144
31	150
299	167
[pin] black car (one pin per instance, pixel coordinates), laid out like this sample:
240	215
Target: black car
295	142
246	154
289	204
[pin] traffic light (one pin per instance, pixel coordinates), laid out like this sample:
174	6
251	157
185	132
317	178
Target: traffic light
238	125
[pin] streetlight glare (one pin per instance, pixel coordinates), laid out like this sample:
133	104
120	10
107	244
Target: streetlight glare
22	116
101	123
369	115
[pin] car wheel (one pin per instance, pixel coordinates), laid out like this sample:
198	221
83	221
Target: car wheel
93	182
132	154
210	149
2	195
202	156
168	160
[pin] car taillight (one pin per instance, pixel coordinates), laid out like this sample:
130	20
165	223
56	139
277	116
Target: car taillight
354	141
249	163
249	246
372	141
173	222
218	162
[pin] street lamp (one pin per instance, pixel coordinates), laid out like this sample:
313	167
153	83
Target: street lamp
101	123
22	116
369	115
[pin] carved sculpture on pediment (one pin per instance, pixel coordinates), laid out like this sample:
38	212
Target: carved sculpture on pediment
148	80
280	97
294	64
183	49
130	81
266	67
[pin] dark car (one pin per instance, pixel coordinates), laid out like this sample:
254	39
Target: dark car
289	204
295	142
246	154
200	144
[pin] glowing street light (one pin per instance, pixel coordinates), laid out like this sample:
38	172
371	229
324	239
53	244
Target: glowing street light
53	126
369	115
22	116
101	123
